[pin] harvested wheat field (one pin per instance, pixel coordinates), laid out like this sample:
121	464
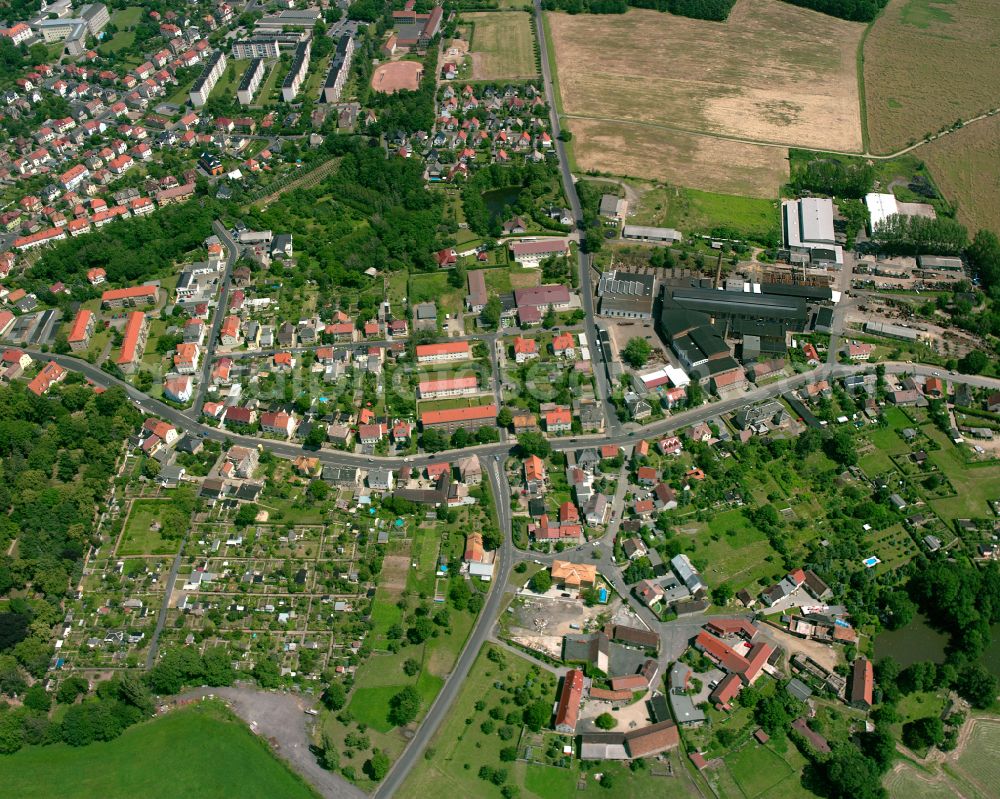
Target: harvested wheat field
966	167
683	159
502	45
928	63
773	72
396	76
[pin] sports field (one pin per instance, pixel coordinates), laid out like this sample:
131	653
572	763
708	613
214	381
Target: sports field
396	76
927	64
194	752
772	72
502	46
966	167
684	159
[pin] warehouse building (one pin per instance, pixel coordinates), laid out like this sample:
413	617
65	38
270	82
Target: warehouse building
659	235
807	226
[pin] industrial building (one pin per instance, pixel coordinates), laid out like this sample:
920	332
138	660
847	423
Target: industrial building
891	331
625	295
807	227
697	343
305	18
664	235
940	263
297	72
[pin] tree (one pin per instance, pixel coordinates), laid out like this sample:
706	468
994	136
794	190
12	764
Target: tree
606	721
411	667
551	319
897	609
851	775
973	362
37	698
11	733
377	766
404	706
217	665
533	444
537	715
316	437
421	629
491	312
70	689
329	757
636	352
695	394
977	685
924	732
267	673
541	581
505	418
334	697
246	515
722	594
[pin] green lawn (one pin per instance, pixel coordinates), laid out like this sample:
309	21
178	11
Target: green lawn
118	42
127	17
756	769
738	557
694	210
434	287
226	87
194	752
139	539
550	782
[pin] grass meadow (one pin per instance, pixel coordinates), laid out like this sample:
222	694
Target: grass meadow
206	753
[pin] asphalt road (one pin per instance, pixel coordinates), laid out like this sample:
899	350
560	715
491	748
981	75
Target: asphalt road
232	254
583	260
493	469
286	449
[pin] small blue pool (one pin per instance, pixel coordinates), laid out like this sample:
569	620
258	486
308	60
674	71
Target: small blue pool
602	595
870	562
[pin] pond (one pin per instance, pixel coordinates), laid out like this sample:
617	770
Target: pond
499	200
918	641
915	642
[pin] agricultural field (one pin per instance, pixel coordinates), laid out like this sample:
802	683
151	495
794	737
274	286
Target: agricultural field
220	758
772	72
926	65
966	167
658	153
502	46
970	771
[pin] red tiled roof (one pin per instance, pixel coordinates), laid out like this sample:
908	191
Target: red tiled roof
131	292
447	348
79	330
459	414
130	343
569	699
